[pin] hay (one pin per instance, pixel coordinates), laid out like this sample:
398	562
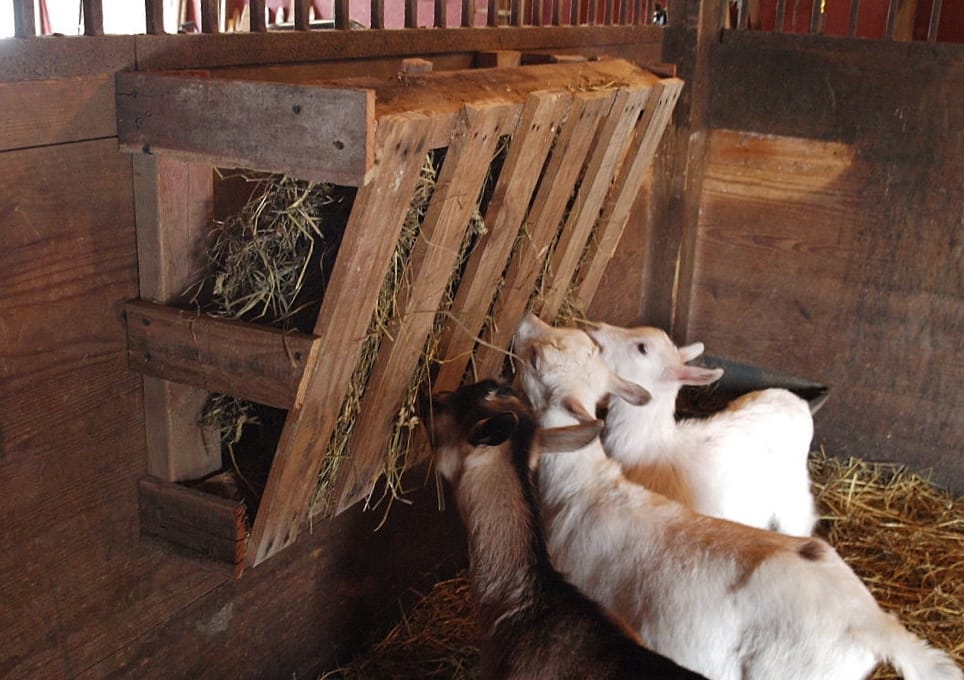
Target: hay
902	535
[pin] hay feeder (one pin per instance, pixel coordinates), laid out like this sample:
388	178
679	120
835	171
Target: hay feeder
582	136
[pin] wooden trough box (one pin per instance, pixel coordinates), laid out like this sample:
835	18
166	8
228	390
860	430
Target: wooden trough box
576	141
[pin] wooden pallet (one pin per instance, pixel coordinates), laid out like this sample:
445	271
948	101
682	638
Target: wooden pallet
587	130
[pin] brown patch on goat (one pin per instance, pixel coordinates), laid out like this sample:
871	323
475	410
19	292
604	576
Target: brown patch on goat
811	550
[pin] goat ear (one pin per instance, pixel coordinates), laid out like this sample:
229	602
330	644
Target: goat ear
569	438
696	375
572	405
493	431
690	352
629	391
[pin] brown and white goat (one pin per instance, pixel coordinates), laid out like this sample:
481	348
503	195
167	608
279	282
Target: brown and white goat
728	600
532	623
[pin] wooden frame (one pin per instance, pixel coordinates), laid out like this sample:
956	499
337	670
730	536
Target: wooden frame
607	134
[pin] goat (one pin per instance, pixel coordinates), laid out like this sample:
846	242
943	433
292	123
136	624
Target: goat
533	623
727	600
747	463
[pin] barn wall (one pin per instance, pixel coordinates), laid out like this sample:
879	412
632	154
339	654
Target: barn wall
84	595
829	241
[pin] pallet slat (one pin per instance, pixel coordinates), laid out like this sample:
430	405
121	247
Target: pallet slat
542	222
432	263
363	259
245	360
542	114
610	147
618	206
321	134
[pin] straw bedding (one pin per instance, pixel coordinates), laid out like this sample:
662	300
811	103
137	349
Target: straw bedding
901	534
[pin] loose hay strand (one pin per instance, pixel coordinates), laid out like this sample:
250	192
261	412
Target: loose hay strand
901	534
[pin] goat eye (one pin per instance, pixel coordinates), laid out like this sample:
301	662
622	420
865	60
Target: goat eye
641	347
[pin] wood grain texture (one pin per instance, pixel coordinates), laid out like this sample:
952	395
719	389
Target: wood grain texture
248	361
607	153
350	297
542	224
430	269
538	123
43	112
305	132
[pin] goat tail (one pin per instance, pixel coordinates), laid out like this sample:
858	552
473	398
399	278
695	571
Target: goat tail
914	658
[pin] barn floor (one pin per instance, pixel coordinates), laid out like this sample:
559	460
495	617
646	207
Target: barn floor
900	533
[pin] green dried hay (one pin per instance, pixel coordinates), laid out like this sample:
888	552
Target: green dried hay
901	534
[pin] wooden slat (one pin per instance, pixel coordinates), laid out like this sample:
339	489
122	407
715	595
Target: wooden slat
93	17
307	132
816	18
934	24
780	16
363	258
173	203
258	12
538	12
468	13
44	112
854	16
441	14
302	15
609	12
249	361
548	209
424	284
608	151
503	217
154	16
209	16
517	12
556	12
343	14
411	13
492	16
592	17
209	525
891	23
620	202
24	18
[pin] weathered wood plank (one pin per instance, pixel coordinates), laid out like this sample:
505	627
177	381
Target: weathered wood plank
43	112
350	297
615	215
208	525
93	17
608	151
542	223
24	18
172	204
540	118
431	267
154	16
306	132
249	361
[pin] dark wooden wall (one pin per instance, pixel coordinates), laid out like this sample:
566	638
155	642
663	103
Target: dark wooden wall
83	594
825	239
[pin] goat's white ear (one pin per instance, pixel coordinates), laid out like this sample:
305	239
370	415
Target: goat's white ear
630	392
695	375
690	352
569	438
572	405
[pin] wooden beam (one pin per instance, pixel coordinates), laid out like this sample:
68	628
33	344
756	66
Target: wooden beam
542	113
302	15
172	205
430	269
258	19
93	17
854	16
209	16
154	15
24	18
781	15
245	360
548	209
343	14
891	24
934	25
441	14
411	13
202	523
350	297
615	215
609	148
468	13
313	133
816	17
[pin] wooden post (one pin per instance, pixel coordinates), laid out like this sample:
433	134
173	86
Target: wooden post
154	15
209	16
468	13
935	22
302	15
258	11
93	17
172	208
24	19
411	13
854	15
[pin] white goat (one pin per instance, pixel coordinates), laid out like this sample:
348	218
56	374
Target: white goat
747	463
730	601
533	623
